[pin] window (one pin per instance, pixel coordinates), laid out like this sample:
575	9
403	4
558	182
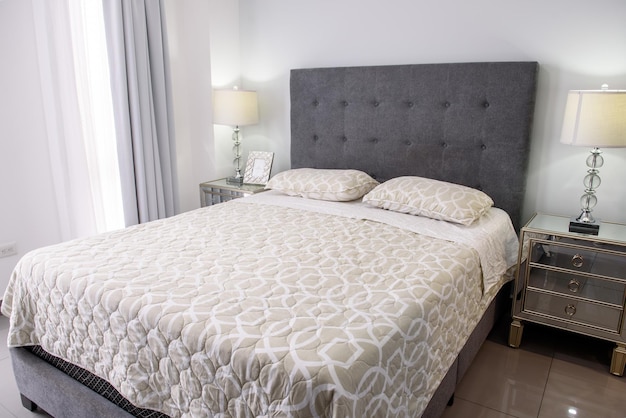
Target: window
96	112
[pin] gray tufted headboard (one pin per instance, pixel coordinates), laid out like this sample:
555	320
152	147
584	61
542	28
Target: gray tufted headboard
466	123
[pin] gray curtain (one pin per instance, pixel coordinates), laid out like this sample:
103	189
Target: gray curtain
140	78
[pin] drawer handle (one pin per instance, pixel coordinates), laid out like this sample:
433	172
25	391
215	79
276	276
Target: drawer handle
573	285
570	310
577	261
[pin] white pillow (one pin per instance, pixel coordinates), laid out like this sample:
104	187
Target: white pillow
430	198
323	184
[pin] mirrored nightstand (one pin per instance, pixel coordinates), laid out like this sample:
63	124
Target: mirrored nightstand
218	191
572	281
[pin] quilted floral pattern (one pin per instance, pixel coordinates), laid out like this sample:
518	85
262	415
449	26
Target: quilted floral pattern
334	185
284	312
431	198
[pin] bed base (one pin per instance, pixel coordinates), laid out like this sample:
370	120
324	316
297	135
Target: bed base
42	385
444	396
35	377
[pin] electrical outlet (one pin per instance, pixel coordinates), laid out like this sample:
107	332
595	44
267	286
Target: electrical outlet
8	249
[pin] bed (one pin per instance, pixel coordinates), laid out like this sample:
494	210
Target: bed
281	305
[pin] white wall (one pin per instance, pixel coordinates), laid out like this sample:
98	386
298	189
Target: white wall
190	63
579	45
225	73
203	37
205	54
28	211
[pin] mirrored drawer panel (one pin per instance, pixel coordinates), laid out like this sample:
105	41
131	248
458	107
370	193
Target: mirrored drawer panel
576	311
577	285
578	259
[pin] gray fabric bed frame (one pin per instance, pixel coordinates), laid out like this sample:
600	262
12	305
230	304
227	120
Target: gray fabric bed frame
467	123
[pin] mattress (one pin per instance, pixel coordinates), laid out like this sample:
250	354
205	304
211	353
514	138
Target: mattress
265	306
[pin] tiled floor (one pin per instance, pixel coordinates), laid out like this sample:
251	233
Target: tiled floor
552	375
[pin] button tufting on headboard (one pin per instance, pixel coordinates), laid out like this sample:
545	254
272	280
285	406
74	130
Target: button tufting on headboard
391	140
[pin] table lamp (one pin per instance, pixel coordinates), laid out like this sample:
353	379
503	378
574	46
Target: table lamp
597	119
236	108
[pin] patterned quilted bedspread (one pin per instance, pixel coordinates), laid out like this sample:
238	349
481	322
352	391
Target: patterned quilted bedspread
252	309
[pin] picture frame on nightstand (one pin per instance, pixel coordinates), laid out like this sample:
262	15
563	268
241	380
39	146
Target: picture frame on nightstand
258	167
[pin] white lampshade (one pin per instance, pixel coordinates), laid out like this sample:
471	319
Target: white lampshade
235	107
595	118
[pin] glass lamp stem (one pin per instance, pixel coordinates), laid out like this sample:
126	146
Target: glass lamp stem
236	149
591	181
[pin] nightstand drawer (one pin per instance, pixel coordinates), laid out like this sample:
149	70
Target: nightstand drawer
578	259
578	286
573	310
